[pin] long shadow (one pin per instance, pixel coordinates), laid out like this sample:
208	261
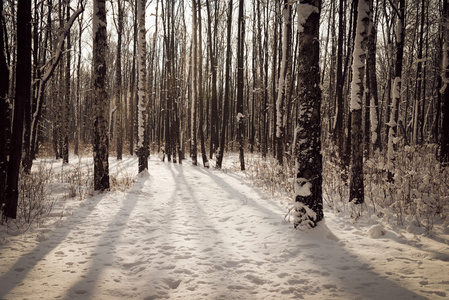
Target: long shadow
349	261
25	265
101	259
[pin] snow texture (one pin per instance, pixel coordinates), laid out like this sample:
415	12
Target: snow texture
304	10
184	232
358	61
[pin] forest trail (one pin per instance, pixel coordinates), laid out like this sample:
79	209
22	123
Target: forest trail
193	233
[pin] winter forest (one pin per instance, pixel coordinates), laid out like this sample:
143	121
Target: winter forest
256	116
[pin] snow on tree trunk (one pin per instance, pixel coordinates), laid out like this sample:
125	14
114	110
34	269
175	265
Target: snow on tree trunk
308	184
142	150
356	189
374	99
100	105
396	90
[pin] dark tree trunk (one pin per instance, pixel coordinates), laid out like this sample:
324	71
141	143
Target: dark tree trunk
5	121
308	185
101	139
118	81
444	142
23	93
142	149
225	110
240	79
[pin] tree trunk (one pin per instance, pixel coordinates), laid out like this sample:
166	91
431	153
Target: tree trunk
338	133
308	185
118	81
200	91
284	78
396	98
193	133
5	121
374	98
101	139
66	114
356	187
142	150
444	142
23	93
240	74
225	110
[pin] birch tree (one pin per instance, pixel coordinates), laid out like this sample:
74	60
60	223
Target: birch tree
284	77
308	184
356	188
101	139
142	150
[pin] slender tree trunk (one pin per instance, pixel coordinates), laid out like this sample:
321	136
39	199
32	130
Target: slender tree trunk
214	109
118	81
308	185
240	83
396	98
193	133
284	78
374	97
338	134
200	90
225	110
444	142
133	100
5	121
142	150
66	114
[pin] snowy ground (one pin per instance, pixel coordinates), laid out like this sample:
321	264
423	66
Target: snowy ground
193	233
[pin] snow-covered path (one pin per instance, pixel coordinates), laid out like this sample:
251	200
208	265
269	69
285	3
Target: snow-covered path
194	233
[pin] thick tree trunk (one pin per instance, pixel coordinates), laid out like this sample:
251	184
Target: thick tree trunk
101	139
23	93
356	187
308	185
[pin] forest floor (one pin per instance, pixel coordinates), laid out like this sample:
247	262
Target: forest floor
185	232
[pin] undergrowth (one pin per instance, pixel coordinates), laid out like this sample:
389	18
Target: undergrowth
418	196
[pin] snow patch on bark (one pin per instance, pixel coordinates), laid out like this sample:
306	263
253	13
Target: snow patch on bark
304	10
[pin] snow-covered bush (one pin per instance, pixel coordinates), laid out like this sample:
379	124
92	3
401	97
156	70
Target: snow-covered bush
418	193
